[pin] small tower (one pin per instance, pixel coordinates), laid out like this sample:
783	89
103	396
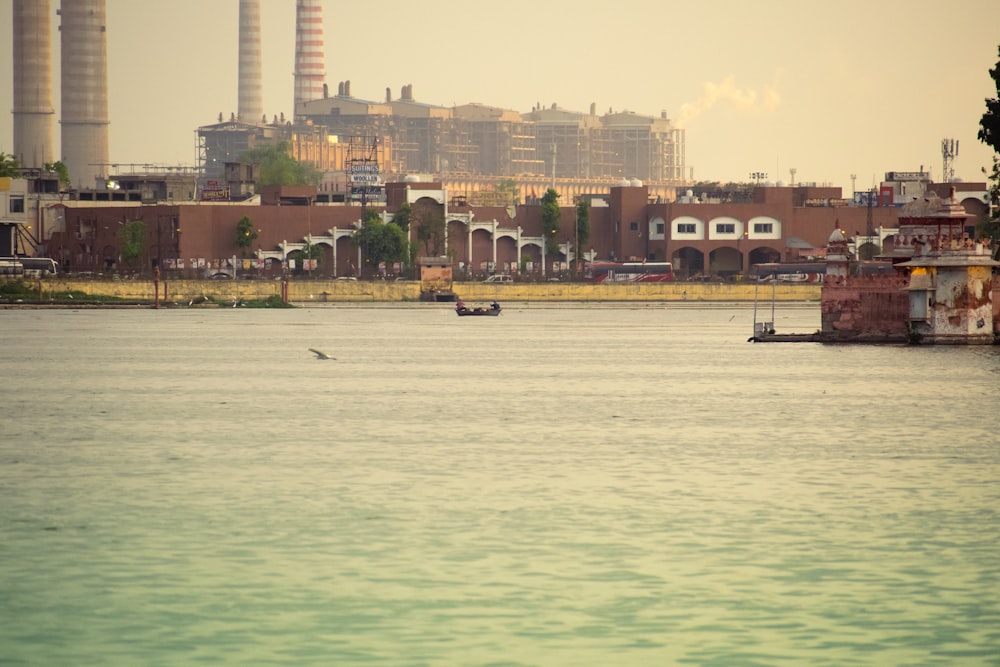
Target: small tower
838	257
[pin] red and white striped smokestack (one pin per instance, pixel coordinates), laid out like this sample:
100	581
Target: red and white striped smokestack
250	106
309	57
33	112
84	89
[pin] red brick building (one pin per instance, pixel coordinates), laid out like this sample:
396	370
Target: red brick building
714	240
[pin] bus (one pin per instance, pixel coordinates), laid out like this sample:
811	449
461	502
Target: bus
629	272
28	266
789	272
40	266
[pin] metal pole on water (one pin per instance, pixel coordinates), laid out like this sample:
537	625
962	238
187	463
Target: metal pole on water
773	283
756	289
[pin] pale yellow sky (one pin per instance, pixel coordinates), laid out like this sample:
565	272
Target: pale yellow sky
828	88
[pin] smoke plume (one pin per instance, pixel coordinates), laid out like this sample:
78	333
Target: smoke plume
726	91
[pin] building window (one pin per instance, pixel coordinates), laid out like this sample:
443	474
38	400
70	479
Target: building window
725	228
633	226
17	204
686	228
763	228
659	228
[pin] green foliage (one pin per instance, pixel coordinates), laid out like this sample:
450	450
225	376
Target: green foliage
508	188
989	124
582	222
403	216
381	242
431	233
278	167
9	166
132	241
16	288
309	251
726	193
273	301
989	226
58	167
19	291
245	234
550	220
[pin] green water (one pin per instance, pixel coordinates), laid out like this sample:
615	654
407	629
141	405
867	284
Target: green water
557	486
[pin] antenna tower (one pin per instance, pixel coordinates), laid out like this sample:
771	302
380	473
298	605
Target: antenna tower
949	151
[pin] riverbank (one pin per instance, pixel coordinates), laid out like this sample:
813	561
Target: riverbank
304	292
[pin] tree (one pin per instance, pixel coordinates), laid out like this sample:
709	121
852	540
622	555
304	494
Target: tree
381	242
431	232
550	220
132	241
60	168
309	251
403	216
989	134
245	235
582	228
989	124
278	167
9	166
989	226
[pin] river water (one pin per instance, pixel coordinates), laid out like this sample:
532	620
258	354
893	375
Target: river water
560	485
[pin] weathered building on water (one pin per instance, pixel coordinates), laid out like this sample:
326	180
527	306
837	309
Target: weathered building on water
952	295
938	286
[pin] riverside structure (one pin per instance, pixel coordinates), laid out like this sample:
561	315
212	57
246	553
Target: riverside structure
703	240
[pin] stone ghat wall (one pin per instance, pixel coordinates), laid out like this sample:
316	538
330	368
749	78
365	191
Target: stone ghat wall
314	291
865	306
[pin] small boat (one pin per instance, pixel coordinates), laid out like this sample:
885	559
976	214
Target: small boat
489	311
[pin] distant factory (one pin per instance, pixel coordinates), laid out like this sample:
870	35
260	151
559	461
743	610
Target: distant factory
469	147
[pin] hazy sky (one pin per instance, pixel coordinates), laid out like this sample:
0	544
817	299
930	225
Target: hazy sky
830	88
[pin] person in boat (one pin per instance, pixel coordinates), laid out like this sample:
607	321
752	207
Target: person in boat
459	305
495	305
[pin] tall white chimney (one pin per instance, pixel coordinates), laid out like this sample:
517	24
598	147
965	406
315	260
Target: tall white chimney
33	112
309	57
250	106
84	87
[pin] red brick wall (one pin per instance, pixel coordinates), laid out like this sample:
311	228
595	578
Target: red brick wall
865	306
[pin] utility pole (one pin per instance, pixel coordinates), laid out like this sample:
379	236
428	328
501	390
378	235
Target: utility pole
553	166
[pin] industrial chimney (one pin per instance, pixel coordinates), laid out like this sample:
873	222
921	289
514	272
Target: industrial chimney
33	112
309	67
84	90
250	103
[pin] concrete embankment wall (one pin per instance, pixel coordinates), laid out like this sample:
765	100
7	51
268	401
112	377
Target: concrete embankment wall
315	291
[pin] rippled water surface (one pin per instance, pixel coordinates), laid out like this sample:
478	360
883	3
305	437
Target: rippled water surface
571	485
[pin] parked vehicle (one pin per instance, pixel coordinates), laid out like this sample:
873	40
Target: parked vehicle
499	278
